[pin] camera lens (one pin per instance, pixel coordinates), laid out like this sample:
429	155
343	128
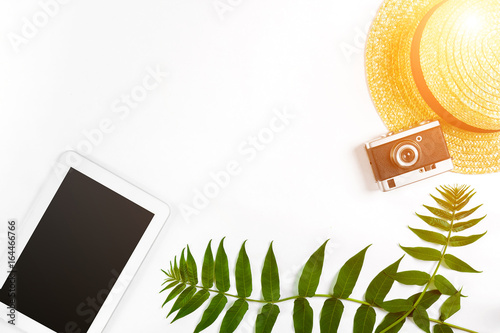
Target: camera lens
406	154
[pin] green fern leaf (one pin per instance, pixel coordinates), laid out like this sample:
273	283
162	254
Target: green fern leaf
302	316
309	279
364	319
270	278
234	316
192	269
458	265
380	286
442	328
444	286
390	319
466	225
208	268
429	298
267	318
331	313
417	278
221	269
213	311
176	291
440	213
435	222
430	236
462	241
183	298
348	275
450	306
462	215
444	204
243	273
421	319
194	303
423	253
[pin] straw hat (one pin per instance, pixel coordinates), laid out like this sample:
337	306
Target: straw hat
435	59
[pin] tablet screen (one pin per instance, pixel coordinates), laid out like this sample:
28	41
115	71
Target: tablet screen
77	251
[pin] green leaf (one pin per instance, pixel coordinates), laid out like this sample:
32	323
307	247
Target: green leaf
440	213
348	275
397	305
430	236
465	200
381	285
421	319
458	265
243	274
410	278
423	253
462	215
331	313
176	291
194	303
443	203
177	273
466	225
192	269
450	306
449	197
435	222
170	286
234	316
302	316
183	298
183	267
429	298
213	311
221	269
390	319
444	286
309	279
462	241
270	278
267	318
364	320
207	271
442	328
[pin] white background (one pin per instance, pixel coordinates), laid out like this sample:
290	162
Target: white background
228	71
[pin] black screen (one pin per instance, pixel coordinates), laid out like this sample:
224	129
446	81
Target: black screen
76	253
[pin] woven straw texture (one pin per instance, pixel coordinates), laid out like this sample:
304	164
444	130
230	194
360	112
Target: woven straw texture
460	61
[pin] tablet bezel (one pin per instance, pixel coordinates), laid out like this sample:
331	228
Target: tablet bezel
161	211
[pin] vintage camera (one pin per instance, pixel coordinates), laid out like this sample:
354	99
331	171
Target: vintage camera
401	158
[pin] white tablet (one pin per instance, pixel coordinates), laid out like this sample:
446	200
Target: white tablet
85	238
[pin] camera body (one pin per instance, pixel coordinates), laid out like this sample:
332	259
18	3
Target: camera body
405	157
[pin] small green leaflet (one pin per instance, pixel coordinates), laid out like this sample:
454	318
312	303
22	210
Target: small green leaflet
421	319
221	269
429	236
234	316
458	265
194	303
447	195
243	274
466	225
270	278
450	306
176	291
443	203
183	267
435	222
430	297
331	313
462	241
397	305
170	286
444	286
309	279
302	316
440	213
423	253
382	284
183	298
267	318
390	319
192	269
213	311
465	200
207	271
364	320
348	275
462	215
416	278
442	328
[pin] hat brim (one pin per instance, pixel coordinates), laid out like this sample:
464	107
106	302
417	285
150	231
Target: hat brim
397	97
